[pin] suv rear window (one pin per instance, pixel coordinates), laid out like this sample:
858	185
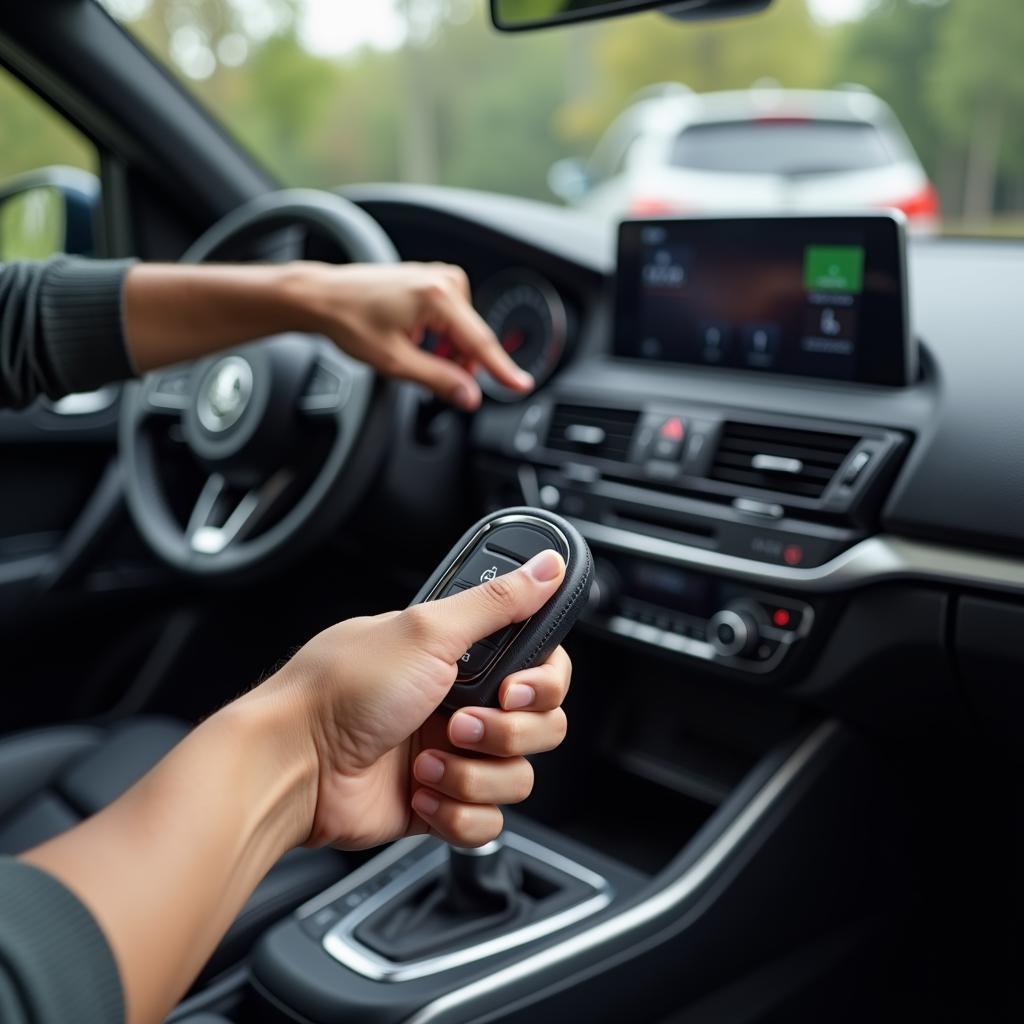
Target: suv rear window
781	147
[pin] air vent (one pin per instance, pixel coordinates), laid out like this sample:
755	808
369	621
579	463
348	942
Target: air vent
790	461
605	433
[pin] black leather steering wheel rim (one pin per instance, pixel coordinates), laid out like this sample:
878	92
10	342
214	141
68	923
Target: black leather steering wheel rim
361	420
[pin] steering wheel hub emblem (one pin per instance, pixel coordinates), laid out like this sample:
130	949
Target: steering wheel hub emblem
224	395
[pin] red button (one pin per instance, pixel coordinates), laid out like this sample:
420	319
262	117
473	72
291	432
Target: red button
672	430
781	617
793	554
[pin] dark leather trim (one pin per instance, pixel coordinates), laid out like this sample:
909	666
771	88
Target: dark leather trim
29	761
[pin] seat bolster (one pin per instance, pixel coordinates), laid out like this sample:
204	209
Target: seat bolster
37	819
128	751
30	761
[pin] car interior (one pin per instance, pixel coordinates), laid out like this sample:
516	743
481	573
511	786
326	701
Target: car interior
790	789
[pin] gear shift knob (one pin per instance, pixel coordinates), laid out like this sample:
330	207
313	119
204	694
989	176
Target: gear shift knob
481	881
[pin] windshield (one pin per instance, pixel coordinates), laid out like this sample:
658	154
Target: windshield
328	93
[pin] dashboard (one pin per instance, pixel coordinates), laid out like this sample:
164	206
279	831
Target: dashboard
738	515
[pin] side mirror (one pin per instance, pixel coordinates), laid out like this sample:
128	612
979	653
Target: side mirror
518	15
48	211
568	179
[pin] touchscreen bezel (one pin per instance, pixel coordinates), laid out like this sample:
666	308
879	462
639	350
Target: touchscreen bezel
885	244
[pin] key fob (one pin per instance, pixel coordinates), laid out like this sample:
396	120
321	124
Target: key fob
498	544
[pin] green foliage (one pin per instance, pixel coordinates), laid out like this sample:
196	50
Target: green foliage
891	51
32	135
32	225
783	44
978	70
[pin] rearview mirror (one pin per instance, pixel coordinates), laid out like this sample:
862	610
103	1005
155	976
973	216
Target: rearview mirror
517	15
48	211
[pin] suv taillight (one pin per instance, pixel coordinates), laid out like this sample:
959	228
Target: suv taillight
923	203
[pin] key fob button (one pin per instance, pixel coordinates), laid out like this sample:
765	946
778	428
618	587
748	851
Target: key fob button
474	661
520	542
482	566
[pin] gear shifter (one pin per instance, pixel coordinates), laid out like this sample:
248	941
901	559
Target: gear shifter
476	890
472	896
481	881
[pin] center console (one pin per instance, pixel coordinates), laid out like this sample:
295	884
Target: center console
545	928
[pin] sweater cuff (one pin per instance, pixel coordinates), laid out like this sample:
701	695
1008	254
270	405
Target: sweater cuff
81	305
53	951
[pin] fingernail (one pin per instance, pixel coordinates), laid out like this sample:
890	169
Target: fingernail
425	803
465	396
525	379
467	729
519	696
545	566
429	768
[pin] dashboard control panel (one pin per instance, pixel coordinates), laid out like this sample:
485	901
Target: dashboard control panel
696	614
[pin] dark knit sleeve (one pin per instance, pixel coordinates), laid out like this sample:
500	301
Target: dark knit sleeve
55	964
61	328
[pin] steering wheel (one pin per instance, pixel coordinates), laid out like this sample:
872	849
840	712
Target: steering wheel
278	427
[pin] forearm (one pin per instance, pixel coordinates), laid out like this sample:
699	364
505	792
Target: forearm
167	867
175	312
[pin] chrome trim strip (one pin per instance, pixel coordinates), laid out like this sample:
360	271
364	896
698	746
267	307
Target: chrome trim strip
872	560
86	403
396	851
663	901
342	944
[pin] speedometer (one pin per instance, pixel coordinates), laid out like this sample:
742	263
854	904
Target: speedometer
528	317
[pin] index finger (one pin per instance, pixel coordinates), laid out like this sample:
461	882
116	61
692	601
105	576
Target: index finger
469	333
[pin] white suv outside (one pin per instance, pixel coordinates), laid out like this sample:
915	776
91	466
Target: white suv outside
762	149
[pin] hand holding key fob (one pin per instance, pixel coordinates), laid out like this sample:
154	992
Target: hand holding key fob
499	544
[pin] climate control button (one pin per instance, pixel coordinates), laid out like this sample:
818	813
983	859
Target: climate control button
733	633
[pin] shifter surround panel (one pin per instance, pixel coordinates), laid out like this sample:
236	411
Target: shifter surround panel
498	544
337	918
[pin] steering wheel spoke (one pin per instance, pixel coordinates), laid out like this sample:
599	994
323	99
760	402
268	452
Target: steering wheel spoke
167	393
328	387
217	521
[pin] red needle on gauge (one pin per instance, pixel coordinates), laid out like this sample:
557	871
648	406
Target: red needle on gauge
512	341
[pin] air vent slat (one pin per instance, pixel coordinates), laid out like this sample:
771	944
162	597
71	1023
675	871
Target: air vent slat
781	459
603	433
804	454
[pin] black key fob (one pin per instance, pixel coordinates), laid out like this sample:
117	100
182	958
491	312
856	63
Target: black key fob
500	543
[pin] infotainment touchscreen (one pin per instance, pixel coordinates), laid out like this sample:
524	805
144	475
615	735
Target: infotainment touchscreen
807	295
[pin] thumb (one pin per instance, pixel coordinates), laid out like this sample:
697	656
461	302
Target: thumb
462	619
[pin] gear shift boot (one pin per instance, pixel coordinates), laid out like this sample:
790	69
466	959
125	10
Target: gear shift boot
420	908
472	896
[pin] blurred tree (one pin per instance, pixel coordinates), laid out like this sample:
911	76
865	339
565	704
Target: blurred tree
889	52
976	89
785	44
32	135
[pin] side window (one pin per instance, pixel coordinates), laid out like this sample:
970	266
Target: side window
49	191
